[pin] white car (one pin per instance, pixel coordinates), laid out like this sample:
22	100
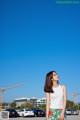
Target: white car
75	112
68	112
25	113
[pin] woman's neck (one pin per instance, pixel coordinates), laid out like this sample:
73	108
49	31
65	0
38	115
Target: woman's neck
55	84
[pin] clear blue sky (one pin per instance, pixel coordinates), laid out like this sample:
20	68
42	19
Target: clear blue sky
37	36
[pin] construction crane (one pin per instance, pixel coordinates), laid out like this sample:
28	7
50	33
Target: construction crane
2	93
74	95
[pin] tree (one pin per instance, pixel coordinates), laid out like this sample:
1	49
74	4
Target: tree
42	106
76	107
26	105
71	105
13	105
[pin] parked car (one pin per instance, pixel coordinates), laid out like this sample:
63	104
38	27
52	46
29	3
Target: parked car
68	112
12	112
26	112
75	112
39	112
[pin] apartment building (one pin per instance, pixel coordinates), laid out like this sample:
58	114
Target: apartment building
33	100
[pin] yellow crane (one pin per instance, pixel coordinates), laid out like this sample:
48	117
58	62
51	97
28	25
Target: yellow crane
74	95
2	93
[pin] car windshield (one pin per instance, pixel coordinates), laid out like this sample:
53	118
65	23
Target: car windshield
28	110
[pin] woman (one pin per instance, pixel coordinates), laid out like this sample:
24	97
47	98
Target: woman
55	96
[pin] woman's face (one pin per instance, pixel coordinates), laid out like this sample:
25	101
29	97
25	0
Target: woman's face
55	77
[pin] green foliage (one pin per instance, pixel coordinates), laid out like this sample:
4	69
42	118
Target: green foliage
76	107
79	107
13	105
43	106
71	105
26	105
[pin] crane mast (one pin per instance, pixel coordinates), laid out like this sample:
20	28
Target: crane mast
74	95
2	92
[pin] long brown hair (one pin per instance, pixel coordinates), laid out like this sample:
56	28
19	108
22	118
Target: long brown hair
48	82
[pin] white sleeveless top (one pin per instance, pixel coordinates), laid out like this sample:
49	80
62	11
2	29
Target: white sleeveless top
56	98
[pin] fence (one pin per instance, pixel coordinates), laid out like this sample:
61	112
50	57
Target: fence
4	115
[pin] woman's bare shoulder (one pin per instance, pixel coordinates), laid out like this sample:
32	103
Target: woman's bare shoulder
63	87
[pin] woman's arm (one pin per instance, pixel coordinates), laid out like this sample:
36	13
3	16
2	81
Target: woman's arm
64	103
64	99
47	104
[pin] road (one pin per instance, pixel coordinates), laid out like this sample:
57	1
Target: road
69	117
